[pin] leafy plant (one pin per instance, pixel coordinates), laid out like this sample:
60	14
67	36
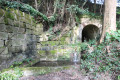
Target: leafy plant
105	56
12	75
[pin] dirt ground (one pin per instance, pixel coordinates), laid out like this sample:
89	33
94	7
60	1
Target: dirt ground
72	74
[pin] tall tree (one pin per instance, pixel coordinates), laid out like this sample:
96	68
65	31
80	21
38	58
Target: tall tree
109	23
36	5
94	6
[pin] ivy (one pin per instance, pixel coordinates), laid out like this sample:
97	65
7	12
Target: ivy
23	7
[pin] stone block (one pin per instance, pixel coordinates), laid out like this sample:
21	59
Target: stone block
18	30
1	43
10	21
27	38
16	23
16	42
20	36
38	29
11	49
2	12
18	49
33	38
3	50
29	31
5	56
11	35
28	26
3	35
15	30
21	24
24	47
2	20
21	30
9	29
2	27
15	49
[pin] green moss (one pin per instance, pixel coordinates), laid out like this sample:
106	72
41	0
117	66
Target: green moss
41	52
10	15
44	70
1	12
6	20
62	38
62	58
53	52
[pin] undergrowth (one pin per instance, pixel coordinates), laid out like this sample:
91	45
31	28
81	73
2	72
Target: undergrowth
15	74
25	8
104	57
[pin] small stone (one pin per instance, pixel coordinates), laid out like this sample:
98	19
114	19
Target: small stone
2	27
1	43
3	35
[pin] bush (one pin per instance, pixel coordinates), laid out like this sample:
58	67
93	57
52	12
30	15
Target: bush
105	56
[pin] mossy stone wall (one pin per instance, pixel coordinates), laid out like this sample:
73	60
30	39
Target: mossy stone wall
19	35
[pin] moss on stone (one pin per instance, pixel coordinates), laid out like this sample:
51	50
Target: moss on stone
6	20
53	52
2	12
41	52
10	15
43	70
62	38
62	58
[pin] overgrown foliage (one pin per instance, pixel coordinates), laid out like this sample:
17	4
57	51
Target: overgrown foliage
24	8
13	75
104	57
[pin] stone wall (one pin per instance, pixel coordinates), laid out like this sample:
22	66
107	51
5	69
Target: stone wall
18	37
21	38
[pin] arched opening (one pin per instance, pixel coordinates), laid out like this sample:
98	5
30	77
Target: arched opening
90	32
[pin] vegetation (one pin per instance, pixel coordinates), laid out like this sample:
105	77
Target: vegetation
59	14
104	57
13	75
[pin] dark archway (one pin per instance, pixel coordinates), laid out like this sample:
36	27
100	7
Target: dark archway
90	32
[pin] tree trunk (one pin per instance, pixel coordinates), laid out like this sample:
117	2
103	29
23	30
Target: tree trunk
36	5
94	6
63	9
109	23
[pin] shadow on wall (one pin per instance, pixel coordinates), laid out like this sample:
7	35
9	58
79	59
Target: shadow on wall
90	32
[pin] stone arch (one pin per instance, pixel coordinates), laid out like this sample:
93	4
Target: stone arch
90	32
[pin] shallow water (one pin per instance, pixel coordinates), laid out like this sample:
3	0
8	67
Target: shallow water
54	63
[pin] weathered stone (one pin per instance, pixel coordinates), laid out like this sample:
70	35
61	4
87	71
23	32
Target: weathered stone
2	27
21	30
3	35
5	56
29	31
3	50
2	20
16	23
39	46
10	21
9	28
15	49
15	30
29	26
20	36
38	29
27	38
21	24
2	12
24	47
16	42
1	43
11	35
18	49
